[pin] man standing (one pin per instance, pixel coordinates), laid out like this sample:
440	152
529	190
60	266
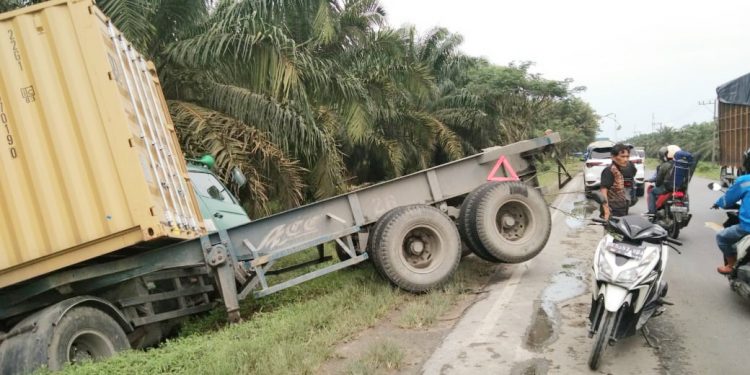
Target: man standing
617	197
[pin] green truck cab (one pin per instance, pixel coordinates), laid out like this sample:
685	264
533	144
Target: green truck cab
220	209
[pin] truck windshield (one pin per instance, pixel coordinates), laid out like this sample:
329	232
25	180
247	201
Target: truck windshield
207	185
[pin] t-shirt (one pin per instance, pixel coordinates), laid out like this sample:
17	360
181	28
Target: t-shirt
608	179
616	193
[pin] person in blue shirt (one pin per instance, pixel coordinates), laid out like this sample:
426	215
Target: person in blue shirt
739	191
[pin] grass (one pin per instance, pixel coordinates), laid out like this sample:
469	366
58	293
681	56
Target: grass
294	331
548	177
380	357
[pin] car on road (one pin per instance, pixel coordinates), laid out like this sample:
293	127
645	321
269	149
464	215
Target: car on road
598	157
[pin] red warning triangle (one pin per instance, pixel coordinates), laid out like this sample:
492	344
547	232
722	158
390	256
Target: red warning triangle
502	161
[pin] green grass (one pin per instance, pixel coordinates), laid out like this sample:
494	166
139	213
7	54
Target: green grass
291	332
548	176
380	357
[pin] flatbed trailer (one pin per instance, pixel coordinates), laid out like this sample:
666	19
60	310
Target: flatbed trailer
412	228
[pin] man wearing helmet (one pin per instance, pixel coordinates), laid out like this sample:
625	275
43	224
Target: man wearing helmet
617	198
739	191
666	156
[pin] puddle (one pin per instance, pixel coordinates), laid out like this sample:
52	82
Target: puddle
535	366
579	210
566	284
540	332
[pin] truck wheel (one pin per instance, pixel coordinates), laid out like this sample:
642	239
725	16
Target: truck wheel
417	248
374	236
85	334
512	221
465	249
465	217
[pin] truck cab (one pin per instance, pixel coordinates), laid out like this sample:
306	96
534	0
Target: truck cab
219	207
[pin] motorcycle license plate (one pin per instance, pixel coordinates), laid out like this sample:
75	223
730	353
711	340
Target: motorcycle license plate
626	250
679	209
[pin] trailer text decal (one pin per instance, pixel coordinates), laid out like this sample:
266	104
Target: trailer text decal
8	135
14	44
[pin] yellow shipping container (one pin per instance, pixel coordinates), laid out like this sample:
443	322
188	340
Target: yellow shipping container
89	159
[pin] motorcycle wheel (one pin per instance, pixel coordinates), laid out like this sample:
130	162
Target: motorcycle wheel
601	339
674	226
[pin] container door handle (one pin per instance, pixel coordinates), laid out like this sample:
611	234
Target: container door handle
218	215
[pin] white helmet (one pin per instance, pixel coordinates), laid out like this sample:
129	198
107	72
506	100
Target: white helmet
671	150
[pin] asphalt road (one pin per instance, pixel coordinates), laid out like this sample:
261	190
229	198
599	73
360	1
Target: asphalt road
707	331
533	319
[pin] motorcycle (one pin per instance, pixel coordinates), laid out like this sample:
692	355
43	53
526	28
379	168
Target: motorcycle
739	278
628	284
672	211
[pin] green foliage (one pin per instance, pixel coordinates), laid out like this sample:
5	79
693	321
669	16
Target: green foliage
308	97
696	138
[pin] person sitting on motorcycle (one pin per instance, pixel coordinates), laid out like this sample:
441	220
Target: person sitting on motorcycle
727	238
666	156
617	198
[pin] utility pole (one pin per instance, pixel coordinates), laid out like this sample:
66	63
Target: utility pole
715	145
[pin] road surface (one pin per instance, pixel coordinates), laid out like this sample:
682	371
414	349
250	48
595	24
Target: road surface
534	317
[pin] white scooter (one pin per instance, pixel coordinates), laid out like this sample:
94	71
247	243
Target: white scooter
628	288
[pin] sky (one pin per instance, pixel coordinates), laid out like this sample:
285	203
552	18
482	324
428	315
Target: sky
642	62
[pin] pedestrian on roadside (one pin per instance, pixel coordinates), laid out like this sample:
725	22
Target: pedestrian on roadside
617	197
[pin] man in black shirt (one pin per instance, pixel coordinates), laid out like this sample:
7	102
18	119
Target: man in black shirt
613	182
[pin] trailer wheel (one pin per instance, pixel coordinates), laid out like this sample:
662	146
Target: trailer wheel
85	334
416	247
465	217
512	221
374	236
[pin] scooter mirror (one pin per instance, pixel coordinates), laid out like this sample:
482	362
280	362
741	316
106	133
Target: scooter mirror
714	186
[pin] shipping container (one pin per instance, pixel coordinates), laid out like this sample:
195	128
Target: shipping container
734	133
90	162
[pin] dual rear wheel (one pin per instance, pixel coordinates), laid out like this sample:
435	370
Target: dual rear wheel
419	247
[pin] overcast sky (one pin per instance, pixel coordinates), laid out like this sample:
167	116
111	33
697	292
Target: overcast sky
636	58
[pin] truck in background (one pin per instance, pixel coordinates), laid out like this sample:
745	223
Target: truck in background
733	125
115	237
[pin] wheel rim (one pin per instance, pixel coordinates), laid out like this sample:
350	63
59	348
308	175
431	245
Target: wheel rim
89	346
422	249
514	221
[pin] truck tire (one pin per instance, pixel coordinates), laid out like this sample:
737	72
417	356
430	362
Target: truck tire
465	217
417	248
374	236
85	333
512	221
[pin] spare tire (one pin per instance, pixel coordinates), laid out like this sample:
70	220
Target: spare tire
417	248
512	221
466	217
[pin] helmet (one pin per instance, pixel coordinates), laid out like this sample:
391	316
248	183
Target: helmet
662	153
671	150
746	160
